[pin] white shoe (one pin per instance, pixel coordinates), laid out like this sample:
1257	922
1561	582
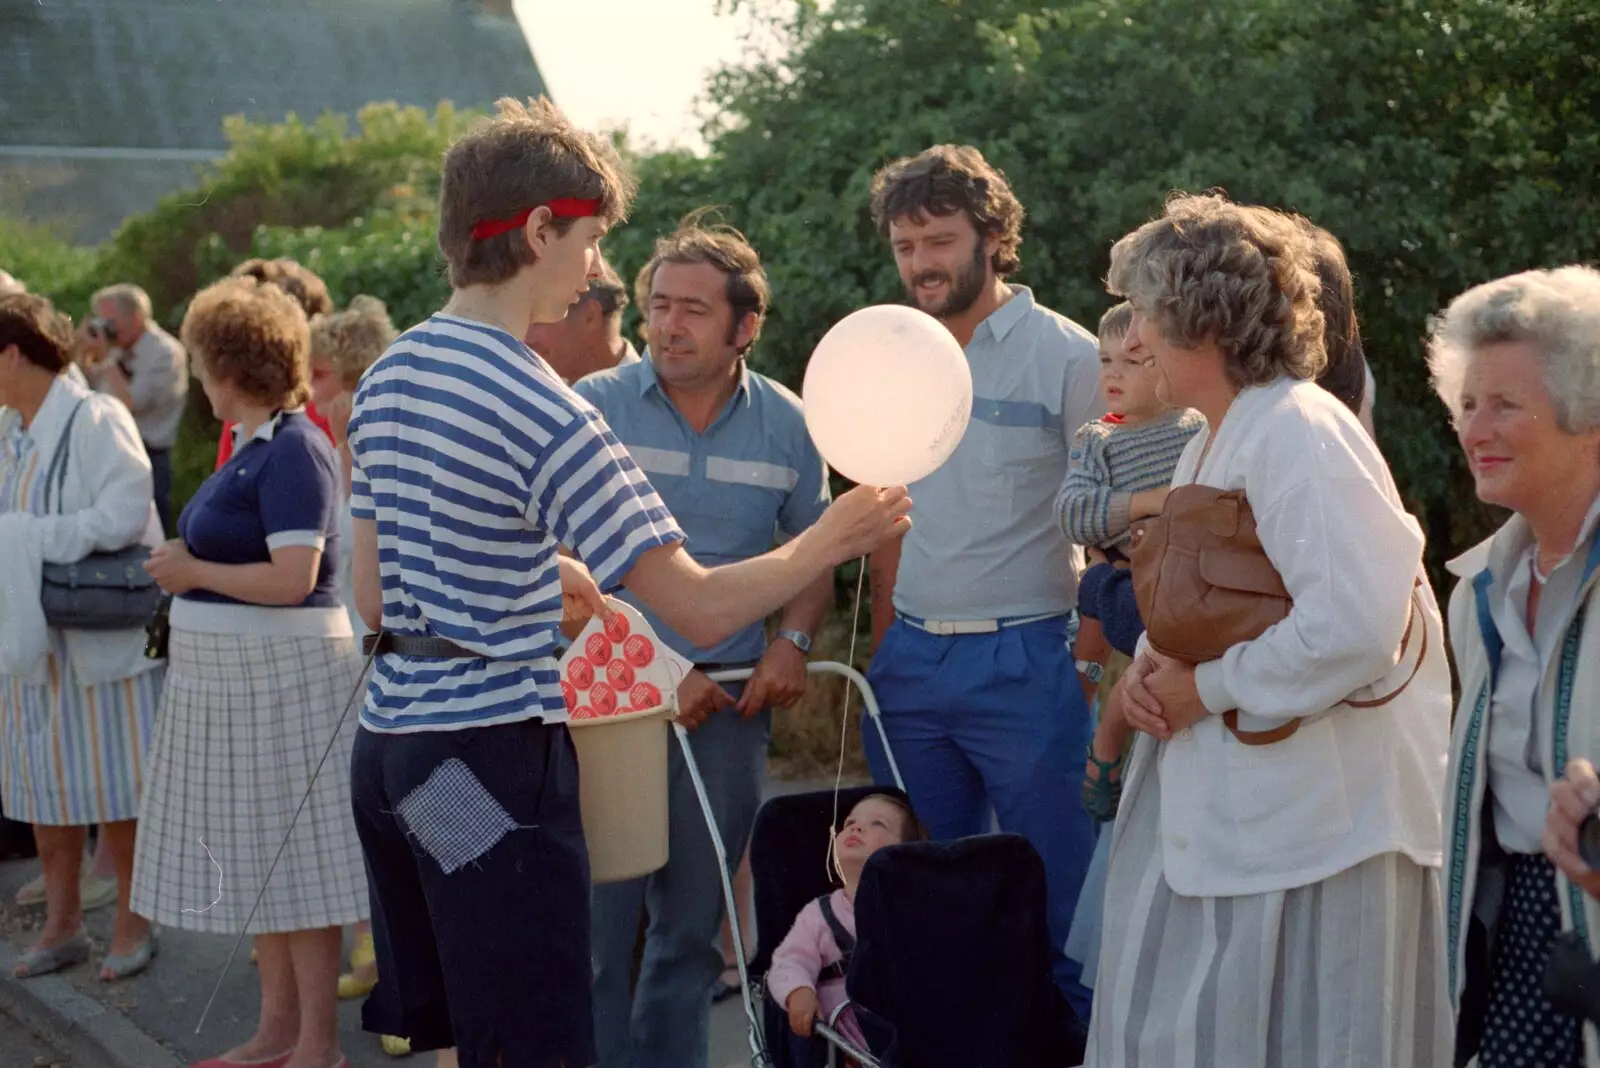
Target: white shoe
93	891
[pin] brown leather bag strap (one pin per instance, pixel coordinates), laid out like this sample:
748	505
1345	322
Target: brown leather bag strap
1277	734
1230	719
1422	654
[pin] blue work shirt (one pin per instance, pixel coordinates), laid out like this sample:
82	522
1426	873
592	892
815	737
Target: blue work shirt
752	475
984	541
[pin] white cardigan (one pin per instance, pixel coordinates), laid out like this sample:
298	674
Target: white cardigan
107	504
1567	709
1351	783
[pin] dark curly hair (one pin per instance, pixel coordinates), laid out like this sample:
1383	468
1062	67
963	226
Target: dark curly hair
253	336
294	278
42	334
946	179
1345	375
1242	277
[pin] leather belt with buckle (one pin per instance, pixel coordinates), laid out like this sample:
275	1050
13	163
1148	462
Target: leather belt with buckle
416	645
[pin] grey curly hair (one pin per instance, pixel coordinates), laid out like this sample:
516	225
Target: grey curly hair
350	341
1557	311
1242	277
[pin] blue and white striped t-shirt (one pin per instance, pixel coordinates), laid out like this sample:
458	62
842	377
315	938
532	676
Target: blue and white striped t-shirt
477	462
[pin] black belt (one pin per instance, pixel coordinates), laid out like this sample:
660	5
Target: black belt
415	645
706	669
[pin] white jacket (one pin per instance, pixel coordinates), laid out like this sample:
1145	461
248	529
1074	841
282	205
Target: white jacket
1351	783
1567	711
107	503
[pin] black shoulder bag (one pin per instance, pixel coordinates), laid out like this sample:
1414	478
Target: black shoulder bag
103	591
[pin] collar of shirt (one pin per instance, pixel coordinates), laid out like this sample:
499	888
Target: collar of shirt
1513	546
1005	318
266	431
648	381
64	395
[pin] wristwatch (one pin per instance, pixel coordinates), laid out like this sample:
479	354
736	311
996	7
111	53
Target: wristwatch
1092	671
801	639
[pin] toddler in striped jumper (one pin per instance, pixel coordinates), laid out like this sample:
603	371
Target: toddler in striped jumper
1121	466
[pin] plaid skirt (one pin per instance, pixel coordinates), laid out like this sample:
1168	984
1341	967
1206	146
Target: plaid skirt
244	723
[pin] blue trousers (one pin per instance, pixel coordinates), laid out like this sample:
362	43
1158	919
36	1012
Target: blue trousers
994	722
666	1020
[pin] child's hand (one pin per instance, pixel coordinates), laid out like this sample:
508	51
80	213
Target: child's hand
802	1011
1148	502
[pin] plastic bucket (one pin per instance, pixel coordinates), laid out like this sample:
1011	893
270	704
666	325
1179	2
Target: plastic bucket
622	777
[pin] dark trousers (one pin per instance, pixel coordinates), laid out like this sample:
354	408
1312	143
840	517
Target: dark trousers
479	878
161	474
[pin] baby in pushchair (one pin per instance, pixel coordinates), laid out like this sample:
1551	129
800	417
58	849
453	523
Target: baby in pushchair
809	966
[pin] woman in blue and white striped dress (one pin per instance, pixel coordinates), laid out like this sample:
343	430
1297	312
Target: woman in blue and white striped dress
77	709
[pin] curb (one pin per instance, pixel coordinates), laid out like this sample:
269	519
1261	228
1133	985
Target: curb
88	1031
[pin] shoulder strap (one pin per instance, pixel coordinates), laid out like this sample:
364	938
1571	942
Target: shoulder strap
55	476
844	939
1422	653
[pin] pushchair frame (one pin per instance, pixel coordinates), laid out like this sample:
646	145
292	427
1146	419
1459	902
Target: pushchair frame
751	992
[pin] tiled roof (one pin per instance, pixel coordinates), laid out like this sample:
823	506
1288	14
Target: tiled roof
162	74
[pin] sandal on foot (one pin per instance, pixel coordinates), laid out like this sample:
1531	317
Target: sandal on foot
41	960
395	1046
128	965
94	892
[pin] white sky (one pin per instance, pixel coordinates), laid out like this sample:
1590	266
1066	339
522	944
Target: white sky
638	63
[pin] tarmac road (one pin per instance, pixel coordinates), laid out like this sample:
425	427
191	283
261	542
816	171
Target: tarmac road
149	1021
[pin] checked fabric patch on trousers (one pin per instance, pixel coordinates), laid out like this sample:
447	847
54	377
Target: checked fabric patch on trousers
454	816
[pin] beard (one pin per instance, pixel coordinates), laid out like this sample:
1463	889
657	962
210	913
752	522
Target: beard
961	292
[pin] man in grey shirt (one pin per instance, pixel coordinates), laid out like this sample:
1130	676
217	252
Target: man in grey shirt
128	355
973	671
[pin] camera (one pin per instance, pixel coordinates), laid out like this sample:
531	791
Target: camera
100	328
1572	976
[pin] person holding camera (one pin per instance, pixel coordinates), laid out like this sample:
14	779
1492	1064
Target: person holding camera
1517	361
128	355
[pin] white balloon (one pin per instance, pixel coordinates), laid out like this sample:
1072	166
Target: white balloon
887	395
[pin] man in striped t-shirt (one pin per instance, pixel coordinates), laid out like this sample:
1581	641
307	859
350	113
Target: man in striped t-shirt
474	465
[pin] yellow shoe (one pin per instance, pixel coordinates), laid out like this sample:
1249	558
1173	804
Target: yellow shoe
395	1046
362	954
352	987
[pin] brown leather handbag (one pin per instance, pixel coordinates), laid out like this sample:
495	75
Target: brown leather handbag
1204	584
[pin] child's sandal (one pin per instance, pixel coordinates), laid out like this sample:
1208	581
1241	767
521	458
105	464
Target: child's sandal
1101	792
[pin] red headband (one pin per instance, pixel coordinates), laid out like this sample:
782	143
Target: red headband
560	207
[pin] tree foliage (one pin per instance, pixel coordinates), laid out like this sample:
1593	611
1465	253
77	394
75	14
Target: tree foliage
1445	143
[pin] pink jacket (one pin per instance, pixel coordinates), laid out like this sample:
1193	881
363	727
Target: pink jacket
806	950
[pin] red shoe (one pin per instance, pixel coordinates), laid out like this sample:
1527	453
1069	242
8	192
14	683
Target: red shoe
222	1062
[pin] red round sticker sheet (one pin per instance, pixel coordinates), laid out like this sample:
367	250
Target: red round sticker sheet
604	679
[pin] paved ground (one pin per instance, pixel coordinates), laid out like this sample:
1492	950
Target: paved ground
21	1048
154	1016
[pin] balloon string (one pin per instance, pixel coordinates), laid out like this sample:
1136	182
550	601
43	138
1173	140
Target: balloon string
832	861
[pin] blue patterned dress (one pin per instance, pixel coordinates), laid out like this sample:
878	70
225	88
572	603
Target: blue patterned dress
70	755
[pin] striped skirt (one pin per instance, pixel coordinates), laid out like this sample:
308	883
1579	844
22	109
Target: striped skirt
244	725
1345	973
74	755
